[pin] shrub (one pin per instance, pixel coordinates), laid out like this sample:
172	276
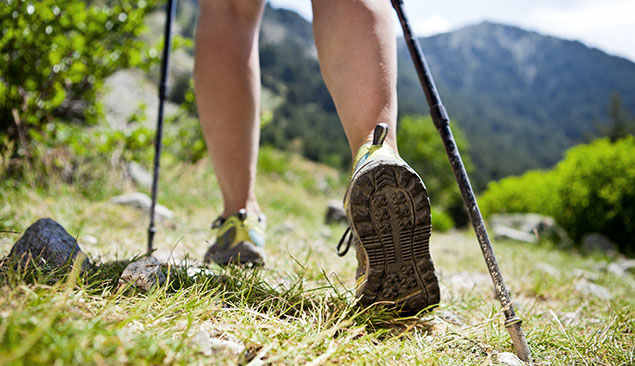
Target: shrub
591	190
421	146
55	55
441	221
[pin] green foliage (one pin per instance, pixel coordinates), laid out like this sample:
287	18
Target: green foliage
56	54
421	146
591	190
441	221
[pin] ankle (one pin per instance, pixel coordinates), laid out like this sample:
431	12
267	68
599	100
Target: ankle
251	206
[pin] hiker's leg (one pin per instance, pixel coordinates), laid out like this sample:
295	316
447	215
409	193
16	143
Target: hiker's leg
227	82
356	46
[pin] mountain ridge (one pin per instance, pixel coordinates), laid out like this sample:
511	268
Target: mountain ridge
521	97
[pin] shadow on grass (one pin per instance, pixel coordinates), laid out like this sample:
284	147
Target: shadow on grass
238	287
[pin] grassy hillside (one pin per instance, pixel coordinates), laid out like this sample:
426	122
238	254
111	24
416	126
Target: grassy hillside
299	309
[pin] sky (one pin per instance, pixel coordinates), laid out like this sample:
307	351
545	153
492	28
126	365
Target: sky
605	24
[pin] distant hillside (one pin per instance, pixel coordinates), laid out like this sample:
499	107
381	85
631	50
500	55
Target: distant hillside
521	97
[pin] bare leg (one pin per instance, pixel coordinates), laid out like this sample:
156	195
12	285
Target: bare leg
227	82
356	46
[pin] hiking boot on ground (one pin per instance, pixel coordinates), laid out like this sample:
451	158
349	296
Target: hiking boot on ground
388	210
240	239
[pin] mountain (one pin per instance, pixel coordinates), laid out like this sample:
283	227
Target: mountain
521	97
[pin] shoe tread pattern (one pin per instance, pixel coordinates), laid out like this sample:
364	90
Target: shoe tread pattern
390	210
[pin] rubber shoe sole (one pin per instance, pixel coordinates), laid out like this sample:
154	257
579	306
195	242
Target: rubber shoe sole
389	210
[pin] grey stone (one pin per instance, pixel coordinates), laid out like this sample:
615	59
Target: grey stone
142	202
528	227
449	317
88	239
49	242
509	359
585	275
570	318
615	269
326	233
465	280
335	213
598	242
144	274
504	232
199	271
628	265
548	269
209	344
588	288
284	228
139	175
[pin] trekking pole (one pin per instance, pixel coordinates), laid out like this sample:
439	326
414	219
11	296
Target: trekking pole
165	64
442	123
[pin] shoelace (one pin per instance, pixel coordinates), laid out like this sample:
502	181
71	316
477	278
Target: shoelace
347	238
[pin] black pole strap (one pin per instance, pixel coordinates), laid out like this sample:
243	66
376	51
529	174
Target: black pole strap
442	122
165	67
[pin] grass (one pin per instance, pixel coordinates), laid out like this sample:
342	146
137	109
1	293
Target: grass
300	308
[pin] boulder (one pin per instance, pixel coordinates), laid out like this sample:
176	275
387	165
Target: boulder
139	175
595	242
587	288
49	242
528	227
142	202
143	274
335	213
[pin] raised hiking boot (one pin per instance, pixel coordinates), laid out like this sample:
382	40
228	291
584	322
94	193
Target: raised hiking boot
388	210
240	239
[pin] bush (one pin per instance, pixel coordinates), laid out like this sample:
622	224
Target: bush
591	190
421	146
441	221
55	55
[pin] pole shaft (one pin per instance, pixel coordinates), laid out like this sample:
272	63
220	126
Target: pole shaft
442	123
165	66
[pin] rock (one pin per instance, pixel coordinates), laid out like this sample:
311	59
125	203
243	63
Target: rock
586	275
209	345
224	345
198	271
522	226
88	239
466	280
335	213
504	232
284	228
628	265
50	242
139	175
326	233
588	288
570	318
142	202
548	269
598	242
449	317
143	274
615	269
509	359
